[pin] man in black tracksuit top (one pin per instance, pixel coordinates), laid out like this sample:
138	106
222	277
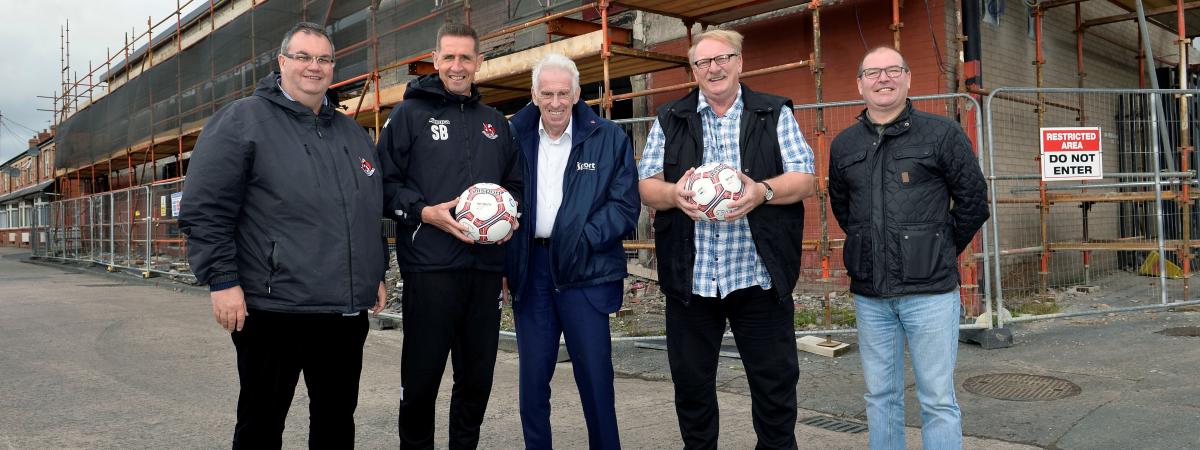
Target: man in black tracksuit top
436	143
282	209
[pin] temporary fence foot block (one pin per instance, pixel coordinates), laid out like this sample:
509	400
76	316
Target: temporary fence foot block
989	339
813	344
383	323
621	312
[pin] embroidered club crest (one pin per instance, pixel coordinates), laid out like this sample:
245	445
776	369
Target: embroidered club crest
366	167
489	131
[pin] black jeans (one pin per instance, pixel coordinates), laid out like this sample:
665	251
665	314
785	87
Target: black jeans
455	313
272	350
764	331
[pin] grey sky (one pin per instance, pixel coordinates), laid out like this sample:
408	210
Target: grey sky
30	32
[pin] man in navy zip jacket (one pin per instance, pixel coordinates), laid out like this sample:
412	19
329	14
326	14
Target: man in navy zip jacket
435	144
281	208
566	266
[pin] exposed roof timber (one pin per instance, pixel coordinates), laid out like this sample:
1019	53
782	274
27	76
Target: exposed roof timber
1131	7
1133	15
568	27
709	11
1057	3
508	77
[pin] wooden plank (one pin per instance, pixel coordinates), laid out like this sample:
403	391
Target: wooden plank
565	26
812	344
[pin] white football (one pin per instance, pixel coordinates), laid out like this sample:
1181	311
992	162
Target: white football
716	186
488	211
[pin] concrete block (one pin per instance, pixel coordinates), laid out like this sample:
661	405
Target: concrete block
383	323
816	345
988	339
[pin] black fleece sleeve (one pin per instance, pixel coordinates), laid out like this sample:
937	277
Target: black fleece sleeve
401	202
213	195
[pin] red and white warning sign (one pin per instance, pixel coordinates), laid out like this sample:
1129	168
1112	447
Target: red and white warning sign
1071	153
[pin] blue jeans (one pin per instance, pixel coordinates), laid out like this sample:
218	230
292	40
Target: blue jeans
930	324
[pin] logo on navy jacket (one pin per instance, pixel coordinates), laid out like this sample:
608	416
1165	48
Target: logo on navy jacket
585	166
489	131
366	166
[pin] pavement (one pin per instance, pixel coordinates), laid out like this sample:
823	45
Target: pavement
96	360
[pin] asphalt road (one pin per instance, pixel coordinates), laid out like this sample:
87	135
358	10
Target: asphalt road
93	360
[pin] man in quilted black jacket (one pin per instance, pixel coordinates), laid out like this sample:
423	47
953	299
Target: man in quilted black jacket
906	187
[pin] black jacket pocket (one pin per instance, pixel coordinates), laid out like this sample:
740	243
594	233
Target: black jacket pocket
921	252
857	252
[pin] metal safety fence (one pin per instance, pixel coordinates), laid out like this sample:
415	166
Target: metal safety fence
1092	190
823	286
133	229
1134	223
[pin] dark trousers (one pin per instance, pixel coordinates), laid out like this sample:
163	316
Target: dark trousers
455	313
543	314
272	350
764	331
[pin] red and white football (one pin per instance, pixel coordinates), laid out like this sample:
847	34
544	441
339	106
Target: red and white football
716	186
488	211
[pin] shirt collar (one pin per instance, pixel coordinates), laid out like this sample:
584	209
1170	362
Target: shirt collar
324	99
734	111
566	133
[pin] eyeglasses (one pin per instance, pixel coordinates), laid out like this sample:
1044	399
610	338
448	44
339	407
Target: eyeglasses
873	73
323	61
721	60
550	96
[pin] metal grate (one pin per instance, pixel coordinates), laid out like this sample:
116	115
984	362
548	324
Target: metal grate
1181	331
834	424
1020	387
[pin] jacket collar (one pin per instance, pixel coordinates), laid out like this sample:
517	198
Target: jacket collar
690	103
430	87
268	88
583	121
898	125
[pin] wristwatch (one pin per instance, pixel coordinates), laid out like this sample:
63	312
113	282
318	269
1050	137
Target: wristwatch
769	194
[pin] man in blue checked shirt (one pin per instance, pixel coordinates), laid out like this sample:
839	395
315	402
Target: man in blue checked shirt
742	270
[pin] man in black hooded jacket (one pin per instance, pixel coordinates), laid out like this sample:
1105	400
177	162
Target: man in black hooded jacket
282	207
435	144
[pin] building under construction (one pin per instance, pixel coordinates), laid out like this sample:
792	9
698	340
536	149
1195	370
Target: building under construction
126	126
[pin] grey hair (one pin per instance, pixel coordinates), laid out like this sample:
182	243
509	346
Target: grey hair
730	37
306	27
556	61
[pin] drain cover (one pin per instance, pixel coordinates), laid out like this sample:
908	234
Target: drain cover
834	424
1181	331
1020	387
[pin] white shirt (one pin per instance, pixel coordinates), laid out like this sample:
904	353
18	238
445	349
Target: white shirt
551	170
